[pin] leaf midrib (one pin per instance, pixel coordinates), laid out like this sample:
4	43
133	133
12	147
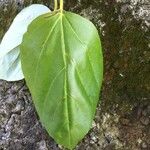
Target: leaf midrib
65	86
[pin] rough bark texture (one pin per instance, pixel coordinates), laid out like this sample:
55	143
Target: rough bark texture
123	117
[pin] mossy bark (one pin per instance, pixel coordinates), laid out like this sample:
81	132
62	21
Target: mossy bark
122	120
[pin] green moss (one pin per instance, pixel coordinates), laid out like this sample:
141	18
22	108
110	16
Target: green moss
126	55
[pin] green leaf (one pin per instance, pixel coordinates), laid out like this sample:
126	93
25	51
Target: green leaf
63	65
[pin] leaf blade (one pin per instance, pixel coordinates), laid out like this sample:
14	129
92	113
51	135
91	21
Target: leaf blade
68	84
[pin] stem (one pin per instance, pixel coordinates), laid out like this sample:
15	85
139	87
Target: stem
61	5
55	5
